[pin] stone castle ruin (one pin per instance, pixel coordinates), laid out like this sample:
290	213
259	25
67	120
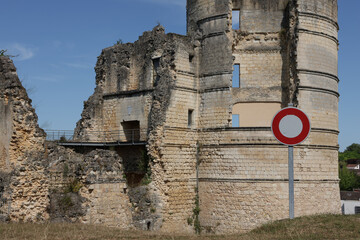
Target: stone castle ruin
176	136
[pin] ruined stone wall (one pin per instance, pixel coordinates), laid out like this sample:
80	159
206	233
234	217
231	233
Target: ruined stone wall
173	171
24	190
241	173
161	104
88	186
19	119
260	16
6	132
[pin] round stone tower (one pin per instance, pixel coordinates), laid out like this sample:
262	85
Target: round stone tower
256	57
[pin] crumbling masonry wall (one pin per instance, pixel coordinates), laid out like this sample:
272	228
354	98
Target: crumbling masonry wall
40	181
24	191
195	171
239	174
128	90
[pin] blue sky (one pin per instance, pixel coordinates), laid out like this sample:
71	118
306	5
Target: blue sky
58	43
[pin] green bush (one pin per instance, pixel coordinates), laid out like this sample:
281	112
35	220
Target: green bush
73	187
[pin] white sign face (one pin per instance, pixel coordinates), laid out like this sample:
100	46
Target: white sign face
290	126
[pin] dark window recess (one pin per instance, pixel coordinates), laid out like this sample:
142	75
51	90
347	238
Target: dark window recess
156	67
236	76
131	130
235	19
190	117
191	58
119	85
357	210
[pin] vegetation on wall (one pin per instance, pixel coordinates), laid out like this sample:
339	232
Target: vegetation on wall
3	53
120	41
349	180
196	213
144	166
74	186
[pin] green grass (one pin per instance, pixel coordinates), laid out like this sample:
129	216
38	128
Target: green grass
315	227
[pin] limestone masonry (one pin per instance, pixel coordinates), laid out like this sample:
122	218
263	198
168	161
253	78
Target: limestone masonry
176	137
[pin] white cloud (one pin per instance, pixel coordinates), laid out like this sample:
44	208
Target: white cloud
23	52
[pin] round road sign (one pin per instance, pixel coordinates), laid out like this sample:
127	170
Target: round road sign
290	126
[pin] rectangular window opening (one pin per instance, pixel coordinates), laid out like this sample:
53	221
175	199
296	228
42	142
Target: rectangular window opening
190	117
357	210
131	131
236	76
235	19
235	120
156	66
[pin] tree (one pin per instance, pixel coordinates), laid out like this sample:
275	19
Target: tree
351	152
348	179
353	148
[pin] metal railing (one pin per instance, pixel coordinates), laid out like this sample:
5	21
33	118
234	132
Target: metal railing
59	135
126	136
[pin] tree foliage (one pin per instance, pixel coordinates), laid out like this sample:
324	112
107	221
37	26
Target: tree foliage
348	179
353	148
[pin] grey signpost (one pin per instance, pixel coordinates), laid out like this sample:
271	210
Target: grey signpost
291	126
291	181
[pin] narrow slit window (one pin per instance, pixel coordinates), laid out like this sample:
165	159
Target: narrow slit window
235	19
190	117
236	76
118	85
235	120
191	57
156	66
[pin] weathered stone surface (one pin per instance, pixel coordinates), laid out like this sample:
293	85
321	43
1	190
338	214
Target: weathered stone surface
196	171
187	112
24	188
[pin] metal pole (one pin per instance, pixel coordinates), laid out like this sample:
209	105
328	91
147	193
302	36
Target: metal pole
291	182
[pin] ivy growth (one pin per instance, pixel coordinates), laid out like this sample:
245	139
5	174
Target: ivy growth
196	213
194	219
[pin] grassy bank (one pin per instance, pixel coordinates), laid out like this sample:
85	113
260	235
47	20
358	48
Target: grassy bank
316	227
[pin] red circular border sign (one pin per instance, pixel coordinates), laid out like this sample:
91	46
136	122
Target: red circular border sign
275	126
